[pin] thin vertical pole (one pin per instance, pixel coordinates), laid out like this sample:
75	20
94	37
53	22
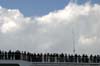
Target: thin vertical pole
73	39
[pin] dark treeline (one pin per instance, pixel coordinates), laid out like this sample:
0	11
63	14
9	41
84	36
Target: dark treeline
48	57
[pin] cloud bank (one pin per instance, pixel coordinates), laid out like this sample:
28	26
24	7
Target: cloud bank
53	32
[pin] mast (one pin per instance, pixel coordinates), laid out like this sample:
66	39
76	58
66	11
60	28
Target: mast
73	40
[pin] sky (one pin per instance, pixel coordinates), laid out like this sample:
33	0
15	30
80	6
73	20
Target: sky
34	7
38	7
50	26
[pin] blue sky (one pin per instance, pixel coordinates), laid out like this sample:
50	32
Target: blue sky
37	7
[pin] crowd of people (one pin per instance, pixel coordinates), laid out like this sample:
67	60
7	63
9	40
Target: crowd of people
48	57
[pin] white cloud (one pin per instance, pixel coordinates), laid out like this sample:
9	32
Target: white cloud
87	40
10	26
52	32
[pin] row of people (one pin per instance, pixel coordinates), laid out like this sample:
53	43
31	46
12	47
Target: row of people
48	57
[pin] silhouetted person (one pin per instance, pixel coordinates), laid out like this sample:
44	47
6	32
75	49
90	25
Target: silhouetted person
45	57
51	58
86	59
12	55
24	55
48	57
91	58
41	57
17	55
9	55
34	57
83	58
56	57
66	58
28	56
72	58
94	59
98	58
79	59
69	60
2	55
5	54
75	58
62	57
38	57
